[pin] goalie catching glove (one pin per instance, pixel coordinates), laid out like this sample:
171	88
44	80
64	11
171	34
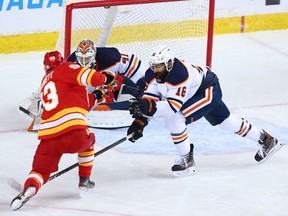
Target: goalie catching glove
137	128
140	107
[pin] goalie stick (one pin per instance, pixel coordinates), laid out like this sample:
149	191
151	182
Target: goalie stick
27	112
19	188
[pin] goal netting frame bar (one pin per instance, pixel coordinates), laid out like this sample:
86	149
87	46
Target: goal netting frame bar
108	3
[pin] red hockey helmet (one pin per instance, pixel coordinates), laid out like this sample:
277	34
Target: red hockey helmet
52	59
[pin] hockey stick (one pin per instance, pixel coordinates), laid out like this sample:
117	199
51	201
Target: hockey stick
19	187
27	112
95	155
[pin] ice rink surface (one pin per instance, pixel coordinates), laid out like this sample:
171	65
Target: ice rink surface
134	179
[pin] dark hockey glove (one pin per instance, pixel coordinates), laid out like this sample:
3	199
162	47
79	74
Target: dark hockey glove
110	79
119	80
137	128
100	94
140	107
141	84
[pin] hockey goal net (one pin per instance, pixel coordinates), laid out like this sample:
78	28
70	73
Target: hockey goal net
137	26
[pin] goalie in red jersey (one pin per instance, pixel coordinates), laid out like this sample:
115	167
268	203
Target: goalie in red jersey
63	127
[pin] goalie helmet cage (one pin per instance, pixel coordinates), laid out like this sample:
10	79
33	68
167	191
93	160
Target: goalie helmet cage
137	26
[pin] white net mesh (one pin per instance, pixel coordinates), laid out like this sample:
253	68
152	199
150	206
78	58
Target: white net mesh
182	25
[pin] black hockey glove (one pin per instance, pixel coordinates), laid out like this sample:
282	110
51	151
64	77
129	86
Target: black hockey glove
137	128
110	79
141	83
140	107
100	94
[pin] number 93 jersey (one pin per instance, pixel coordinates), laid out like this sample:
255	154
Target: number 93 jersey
65	99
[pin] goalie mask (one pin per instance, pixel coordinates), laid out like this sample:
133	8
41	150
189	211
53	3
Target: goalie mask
161	61
86	53
52	59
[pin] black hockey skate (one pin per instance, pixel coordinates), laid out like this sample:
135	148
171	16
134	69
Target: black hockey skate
84	182
268	146
22	198
184	165
85	185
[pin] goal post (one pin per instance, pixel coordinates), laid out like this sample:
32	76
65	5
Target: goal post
137	26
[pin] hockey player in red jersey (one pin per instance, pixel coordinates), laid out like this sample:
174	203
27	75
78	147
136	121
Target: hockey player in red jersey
63	127
129	70
183	93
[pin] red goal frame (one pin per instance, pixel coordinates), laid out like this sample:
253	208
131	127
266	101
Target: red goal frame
101	3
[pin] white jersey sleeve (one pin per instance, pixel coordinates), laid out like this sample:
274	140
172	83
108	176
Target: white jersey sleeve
129	66
181	84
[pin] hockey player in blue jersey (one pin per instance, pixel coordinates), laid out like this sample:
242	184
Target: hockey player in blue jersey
183	93
128	67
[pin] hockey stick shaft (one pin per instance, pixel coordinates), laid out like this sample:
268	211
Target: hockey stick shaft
27	112
95	155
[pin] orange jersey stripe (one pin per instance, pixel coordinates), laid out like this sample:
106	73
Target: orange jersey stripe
135	62
180	137
201	103
244	128
175	104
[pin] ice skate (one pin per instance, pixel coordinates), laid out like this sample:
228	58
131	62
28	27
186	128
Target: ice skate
184	165
268	146
85	185
22	198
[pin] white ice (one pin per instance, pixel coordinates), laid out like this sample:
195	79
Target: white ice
135	179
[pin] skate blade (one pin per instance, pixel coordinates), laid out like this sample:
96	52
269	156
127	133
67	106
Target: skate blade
83	191
186	172
16	204
21	199
272	152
